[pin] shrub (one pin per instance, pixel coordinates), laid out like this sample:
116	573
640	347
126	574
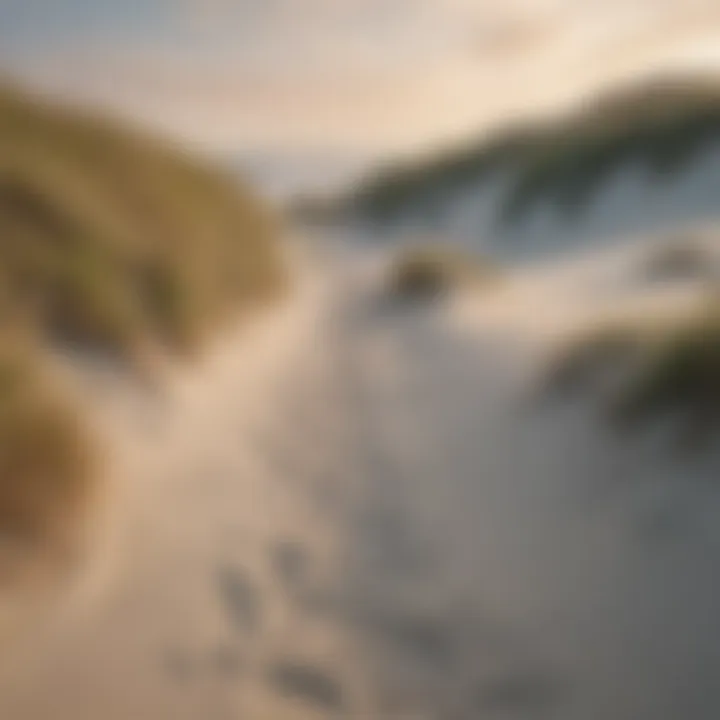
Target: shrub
671	370
680	377
430	272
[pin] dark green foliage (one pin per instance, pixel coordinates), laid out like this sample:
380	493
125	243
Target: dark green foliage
661	124
669	370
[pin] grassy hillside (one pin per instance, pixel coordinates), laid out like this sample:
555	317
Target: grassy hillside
663	124
396	189
109	242
113	241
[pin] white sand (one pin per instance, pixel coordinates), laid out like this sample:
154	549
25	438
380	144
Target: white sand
370	495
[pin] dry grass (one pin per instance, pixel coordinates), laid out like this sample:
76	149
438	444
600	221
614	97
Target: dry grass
681	377
114	241
429	272
110	242
666	371
47	463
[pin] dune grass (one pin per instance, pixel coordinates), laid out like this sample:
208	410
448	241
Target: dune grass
385	195
667	370
48	462
661	124
114	241
680	377
430	271
111	242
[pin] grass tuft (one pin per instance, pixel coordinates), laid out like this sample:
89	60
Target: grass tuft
658	372
48	466
430	272
681	377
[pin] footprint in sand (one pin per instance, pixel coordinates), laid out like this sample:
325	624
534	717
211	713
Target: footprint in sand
525	694
227	661
426	638
291	563
179	665
240	598
302	681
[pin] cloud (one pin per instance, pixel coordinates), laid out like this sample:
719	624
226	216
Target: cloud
365	73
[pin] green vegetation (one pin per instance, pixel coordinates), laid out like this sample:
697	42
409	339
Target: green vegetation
584	358
432	271
110	242
680	377
661	124
666	370
114	242
389	193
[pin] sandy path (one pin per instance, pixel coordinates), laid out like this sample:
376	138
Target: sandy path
354	511
214	597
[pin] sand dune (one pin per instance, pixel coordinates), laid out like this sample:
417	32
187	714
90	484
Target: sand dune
350	510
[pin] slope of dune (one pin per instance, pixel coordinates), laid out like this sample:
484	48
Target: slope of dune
116	248
113	240
635	159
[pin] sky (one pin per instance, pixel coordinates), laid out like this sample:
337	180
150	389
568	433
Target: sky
352	76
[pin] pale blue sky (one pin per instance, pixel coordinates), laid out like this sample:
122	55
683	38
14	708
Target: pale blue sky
365	75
